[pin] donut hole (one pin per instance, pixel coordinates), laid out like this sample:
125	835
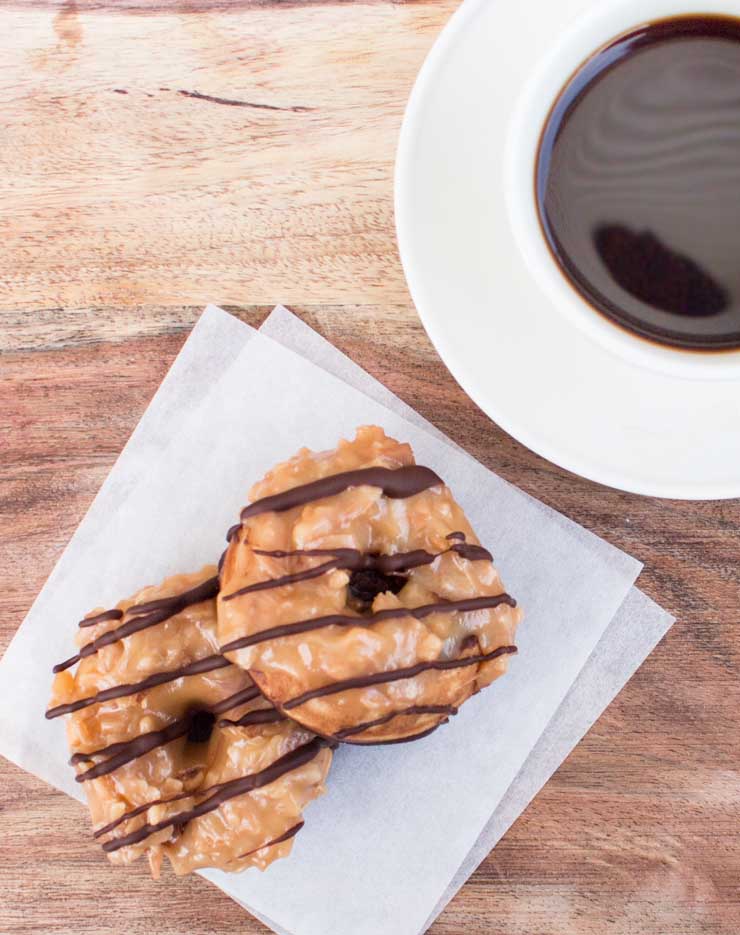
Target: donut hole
365	585
201	726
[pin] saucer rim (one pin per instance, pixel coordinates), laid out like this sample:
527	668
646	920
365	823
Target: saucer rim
580	464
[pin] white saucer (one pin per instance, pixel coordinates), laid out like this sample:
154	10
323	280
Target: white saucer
529	367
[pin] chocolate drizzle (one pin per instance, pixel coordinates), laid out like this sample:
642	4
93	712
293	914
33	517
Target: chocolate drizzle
121	753
222	792
354	560
118	754
114	614
397	484
394	675
394	741
263	716
344	620
286	836
208	664
447	710
471	552
142	616
235	700
138	810
283	580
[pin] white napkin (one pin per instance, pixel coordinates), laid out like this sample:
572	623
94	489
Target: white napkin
635	631
400	828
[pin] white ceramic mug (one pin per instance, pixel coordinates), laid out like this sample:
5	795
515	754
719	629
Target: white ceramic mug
606	21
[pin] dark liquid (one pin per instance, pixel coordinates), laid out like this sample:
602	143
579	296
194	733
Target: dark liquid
638	181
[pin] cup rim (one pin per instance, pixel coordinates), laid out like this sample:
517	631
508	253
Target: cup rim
573	47
482	308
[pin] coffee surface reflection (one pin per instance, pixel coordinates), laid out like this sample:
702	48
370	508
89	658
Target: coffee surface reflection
638	181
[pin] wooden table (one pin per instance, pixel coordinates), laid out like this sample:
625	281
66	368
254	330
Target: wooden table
158	156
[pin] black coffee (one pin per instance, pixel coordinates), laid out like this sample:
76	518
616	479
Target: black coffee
638	181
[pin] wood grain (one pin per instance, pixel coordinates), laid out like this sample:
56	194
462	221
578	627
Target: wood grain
204	155
124	214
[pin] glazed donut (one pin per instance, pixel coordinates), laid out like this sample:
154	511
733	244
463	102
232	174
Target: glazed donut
179	754
355	593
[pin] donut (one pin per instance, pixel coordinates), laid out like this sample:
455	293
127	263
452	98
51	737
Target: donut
355	593
177	751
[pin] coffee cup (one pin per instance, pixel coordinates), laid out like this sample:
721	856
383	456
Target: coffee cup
572	68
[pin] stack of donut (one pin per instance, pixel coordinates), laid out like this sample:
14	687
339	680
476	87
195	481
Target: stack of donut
353	604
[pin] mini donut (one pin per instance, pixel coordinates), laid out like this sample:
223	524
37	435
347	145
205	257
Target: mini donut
179	754
357	596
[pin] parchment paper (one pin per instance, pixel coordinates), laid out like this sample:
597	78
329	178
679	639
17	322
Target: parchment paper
636	629
399	826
